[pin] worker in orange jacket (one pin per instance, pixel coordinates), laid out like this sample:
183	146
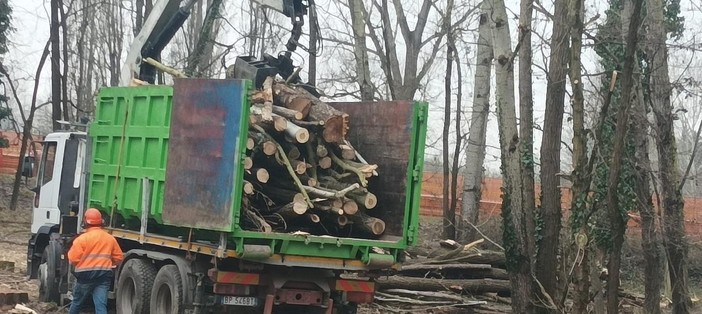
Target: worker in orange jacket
95	253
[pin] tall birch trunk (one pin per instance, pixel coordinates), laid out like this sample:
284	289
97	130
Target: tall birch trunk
515	233
475	147
673	216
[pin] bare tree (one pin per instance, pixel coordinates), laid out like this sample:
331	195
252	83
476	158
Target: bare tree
360	50
55	64
475	146
27	118
515	233
673	215
546	260
630	25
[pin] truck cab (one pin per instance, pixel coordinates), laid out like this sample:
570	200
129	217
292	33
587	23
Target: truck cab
55	211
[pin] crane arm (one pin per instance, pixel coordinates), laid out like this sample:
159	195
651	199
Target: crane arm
167	16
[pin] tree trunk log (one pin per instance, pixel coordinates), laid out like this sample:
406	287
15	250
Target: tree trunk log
292	209
429	284
286	96
368	224
350	207
325	163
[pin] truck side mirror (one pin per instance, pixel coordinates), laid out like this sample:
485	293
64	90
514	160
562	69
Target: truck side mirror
28	166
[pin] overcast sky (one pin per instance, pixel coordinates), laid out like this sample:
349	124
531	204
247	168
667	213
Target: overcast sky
30	19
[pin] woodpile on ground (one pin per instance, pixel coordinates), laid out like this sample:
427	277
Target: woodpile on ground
452	275
302	174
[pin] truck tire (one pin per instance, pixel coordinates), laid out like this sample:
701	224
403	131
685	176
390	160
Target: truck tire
47	273
134	285
350	308
167	293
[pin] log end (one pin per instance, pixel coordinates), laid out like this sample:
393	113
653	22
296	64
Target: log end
248	188
342	220
350	207
313	218
377	226
301	208
302	136
269	148
371	201
262	175
325	163
248	163
250	143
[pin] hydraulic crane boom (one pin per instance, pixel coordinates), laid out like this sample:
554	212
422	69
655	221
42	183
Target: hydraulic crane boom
167	16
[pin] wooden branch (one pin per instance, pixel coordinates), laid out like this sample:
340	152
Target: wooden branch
428	294
294	153
368	199
307	180
311	158
330	209
288	113
286	96
299	166
431	284
166	69
360	158
301	135
368	224
424	267
345	166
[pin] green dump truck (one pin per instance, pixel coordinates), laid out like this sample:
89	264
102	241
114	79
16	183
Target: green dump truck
165	165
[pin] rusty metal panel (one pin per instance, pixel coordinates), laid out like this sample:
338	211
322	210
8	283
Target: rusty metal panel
382	132
204	168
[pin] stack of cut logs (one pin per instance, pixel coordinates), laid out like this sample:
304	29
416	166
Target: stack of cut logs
451	275
302	175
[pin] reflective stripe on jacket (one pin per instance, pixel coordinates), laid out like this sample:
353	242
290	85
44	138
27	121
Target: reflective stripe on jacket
94	254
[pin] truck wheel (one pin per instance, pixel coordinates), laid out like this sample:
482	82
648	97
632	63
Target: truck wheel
167	293
134	287
350	308
48	285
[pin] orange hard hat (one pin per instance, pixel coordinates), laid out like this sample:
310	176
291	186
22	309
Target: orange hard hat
93	217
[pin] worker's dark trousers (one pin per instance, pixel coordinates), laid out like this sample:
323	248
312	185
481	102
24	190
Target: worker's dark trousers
98	290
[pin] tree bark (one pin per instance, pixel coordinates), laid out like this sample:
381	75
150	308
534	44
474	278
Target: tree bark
578	225
449	217
56	112
202	51
650	240
430	284
673	215
616	217
515	234
526	122
475	147
360	50
546	259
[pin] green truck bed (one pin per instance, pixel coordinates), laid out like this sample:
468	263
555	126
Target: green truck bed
189	141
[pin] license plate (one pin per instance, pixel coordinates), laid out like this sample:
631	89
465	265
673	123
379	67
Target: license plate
241	301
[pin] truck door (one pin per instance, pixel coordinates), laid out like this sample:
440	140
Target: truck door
58	180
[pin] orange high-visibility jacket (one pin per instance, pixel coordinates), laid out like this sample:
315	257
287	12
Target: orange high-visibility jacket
94	254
